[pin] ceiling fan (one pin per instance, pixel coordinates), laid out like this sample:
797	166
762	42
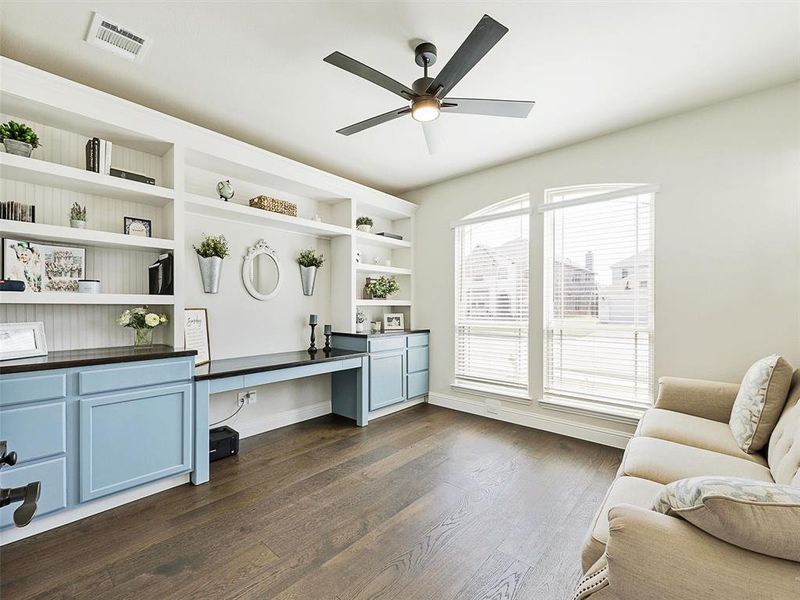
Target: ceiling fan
427	96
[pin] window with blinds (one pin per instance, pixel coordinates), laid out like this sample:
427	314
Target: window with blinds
491	293
598	295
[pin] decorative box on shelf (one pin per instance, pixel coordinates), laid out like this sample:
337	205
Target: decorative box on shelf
274	205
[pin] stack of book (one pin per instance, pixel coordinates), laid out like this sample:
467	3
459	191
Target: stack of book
98	156
17	211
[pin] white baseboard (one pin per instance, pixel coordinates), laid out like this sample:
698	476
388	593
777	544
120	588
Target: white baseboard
282	419
553	424
47	522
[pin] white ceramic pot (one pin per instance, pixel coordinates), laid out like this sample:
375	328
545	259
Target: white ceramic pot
364	228
18	148
89	286
77	224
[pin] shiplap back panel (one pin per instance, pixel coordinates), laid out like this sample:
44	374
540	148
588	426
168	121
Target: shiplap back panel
120	271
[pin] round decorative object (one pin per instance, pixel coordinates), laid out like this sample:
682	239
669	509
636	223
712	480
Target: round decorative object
261	272
365	228
225	190
18	148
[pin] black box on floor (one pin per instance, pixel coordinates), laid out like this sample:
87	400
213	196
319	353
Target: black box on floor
223	442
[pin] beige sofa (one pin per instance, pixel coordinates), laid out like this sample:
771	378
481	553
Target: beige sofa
634	553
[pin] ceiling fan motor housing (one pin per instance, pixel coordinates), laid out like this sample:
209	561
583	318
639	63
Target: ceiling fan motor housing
425	52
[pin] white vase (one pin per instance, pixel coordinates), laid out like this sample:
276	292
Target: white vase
210	271
77	224
364	228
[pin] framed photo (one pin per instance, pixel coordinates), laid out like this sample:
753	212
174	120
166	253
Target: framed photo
22	340
393	322
138	227
42	267
195	333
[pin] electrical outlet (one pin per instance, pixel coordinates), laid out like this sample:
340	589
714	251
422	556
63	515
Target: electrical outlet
242	398
252	396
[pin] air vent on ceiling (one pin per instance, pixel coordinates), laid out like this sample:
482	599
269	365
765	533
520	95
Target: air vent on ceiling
117	39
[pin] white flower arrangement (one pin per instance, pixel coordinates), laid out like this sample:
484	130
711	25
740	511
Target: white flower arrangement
139	318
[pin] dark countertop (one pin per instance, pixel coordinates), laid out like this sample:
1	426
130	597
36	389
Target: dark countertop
383	333
229	367
66	359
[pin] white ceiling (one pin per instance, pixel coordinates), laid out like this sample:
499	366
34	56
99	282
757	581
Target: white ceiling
254	70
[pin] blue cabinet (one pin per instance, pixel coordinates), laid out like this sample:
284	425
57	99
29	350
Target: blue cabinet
86	432
398	366
134	438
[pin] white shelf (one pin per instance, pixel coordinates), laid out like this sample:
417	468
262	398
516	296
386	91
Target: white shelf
231	211
75	298
41	172
360	302
83	237
364	268
380	240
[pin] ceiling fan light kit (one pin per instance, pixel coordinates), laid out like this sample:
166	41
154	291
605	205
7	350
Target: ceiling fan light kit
427	96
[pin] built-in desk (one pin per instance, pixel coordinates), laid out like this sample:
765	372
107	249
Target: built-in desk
351	399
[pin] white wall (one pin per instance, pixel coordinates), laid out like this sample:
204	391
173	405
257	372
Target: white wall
727	234
239	325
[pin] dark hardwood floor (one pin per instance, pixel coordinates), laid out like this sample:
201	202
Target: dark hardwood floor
425	504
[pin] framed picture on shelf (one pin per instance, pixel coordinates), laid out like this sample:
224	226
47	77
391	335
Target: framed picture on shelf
195	334
393	322
42	267
22	340
138	227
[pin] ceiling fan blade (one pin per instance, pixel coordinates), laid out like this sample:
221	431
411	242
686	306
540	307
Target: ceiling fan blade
433	136
482	39
494	108
371	122
351	65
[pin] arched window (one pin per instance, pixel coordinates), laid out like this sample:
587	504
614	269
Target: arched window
491	291
598	327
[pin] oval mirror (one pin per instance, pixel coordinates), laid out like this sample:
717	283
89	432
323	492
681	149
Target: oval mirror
261	272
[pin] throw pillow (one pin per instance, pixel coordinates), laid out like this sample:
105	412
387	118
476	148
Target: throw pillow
758	516
759	402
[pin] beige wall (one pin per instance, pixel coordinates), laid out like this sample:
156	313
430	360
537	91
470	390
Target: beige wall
727	233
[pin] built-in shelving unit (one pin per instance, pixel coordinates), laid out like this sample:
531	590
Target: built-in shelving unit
186	161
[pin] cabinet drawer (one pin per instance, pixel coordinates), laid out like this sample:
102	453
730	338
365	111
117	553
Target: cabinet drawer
417	359
417	384
52	474
418	339
130	439
96	381
392	342
386	379
17	390
35	430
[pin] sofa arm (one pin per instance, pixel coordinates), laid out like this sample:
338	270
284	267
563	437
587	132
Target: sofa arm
708	399
652	555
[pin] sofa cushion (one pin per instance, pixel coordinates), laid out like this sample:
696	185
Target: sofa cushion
693	431
625	490
757	516
664	462
784	445
760	401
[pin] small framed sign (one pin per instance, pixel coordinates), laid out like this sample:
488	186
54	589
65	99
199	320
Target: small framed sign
393	322
22	340
195	333
138	227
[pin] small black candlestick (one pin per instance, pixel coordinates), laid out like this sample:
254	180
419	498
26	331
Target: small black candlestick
327	347
313	348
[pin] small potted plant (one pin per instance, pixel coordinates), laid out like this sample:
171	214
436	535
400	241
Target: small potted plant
210	253
309	262
364	224
77	216
18	138
381	288
143	323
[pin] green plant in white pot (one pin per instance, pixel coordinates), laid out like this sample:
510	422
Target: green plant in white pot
77	216
382	287
18	138
309	262
364	224
210	253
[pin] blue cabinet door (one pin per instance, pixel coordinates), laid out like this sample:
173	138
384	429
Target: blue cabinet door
132	438
387	382
51	473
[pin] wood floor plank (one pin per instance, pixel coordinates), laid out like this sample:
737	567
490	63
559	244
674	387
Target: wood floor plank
425	504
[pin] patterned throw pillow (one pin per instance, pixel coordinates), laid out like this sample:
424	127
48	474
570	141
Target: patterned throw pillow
759	402
755	515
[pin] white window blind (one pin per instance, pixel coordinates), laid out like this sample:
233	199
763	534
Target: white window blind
598	295
491	293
